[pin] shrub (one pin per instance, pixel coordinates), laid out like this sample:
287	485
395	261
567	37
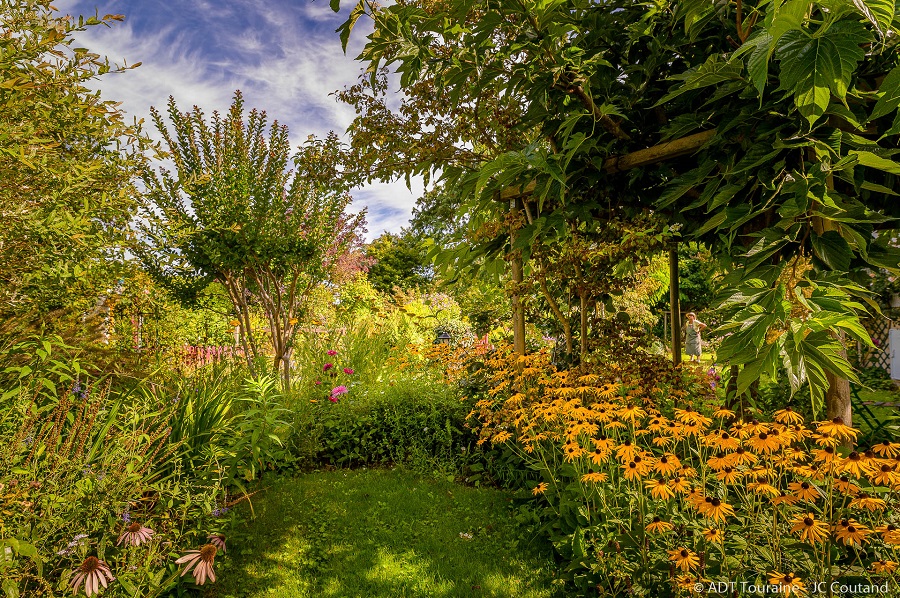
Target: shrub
649	490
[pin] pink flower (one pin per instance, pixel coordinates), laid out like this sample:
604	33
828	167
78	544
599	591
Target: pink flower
336	392
201	561
333	399
332	353
318	382
92	573
135	535
327	367
348	370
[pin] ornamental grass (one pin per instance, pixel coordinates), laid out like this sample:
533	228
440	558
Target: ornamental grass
652	488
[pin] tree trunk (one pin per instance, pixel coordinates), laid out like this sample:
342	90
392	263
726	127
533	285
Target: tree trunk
837	397
554	307
517	276
584	324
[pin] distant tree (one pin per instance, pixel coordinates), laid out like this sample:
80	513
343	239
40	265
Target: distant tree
239	208
398	262
65	168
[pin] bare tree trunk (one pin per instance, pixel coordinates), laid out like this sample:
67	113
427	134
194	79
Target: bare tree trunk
837	397
235	291
582	296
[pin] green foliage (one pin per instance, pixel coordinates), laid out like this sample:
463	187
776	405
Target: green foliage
65	177
399	263
242	210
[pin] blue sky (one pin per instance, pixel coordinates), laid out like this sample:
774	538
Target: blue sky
284	55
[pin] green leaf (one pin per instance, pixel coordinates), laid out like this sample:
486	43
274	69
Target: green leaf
758	61
875	161
832	249
711	72
11	588
752	371
335	5
347	26
879	12
814	67
890	95
712	223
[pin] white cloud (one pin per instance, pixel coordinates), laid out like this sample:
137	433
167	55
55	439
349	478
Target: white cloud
288	67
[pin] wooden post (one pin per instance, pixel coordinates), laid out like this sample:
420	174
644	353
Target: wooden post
515	205
674	304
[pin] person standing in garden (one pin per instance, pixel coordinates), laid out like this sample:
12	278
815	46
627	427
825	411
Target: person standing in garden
692	343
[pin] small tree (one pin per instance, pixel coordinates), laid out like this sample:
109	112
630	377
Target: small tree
238	208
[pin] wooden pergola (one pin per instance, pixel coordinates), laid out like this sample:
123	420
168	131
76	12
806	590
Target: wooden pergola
516	196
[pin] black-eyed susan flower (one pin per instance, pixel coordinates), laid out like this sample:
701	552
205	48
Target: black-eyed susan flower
713	534
92	574
729	475
667	464
809	528
787	416
719	461
885	475
722	413
659	489
658	526
788	583
595	477
837	428
890	533
883	566
540	488
679	485
864	501
200	563
763	487
852	465
804	491
845	486
763	442
887	449
717	510
824	455
723	441
851	532
825	440
741	457
626	451
684	559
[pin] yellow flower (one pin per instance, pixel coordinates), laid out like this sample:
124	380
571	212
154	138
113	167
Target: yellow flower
788	416
680	485
786	499
595	477
715	509
890	533
742	457
713	534
864	501
625	452
885	475
659	489
729	475
838	429
884	566
788	583
501	437
658	526
540	488
810	530
764	443
850	532
853	465
887	449
722	413
667	464
845	486
684	559
804	491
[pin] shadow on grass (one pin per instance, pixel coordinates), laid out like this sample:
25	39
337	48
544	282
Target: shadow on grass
373	533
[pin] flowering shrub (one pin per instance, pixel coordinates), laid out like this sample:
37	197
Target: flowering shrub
651	490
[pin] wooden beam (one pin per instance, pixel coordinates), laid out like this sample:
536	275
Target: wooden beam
645	157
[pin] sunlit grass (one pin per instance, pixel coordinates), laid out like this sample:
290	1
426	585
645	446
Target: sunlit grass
390	533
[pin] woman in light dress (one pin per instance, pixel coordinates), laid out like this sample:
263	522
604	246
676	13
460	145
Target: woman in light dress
692	343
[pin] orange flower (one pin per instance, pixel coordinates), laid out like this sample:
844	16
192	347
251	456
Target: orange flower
540	488
864	501
658	526
851	532
837	428
659	489
887	449
804	491
884	566
787	583
788	416
729	475
594	478
890	533
716	510
684	559
810	530
667	464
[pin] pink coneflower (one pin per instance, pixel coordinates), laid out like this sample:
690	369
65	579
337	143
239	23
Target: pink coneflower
201	561
348	370
327	367
135	535
93	573
217	540
332	352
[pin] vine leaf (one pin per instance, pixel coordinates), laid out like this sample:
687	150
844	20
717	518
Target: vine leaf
890	98
815	66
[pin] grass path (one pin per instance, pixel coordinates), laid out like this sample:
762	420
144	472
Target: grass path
374	533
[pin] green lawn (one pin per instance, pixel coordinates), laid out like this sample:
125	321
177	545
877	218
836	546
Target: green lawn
390	533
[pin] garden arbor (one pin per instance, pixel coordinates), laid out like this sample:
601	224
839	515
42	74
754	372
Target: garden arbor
791	107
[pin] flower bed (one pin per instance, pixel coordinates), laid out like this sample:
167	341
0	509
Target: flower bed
651	489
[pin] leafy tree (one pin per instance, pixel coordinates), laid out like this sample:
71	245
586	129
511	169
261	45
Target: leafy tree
64	171
240	209
398	263
764	130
